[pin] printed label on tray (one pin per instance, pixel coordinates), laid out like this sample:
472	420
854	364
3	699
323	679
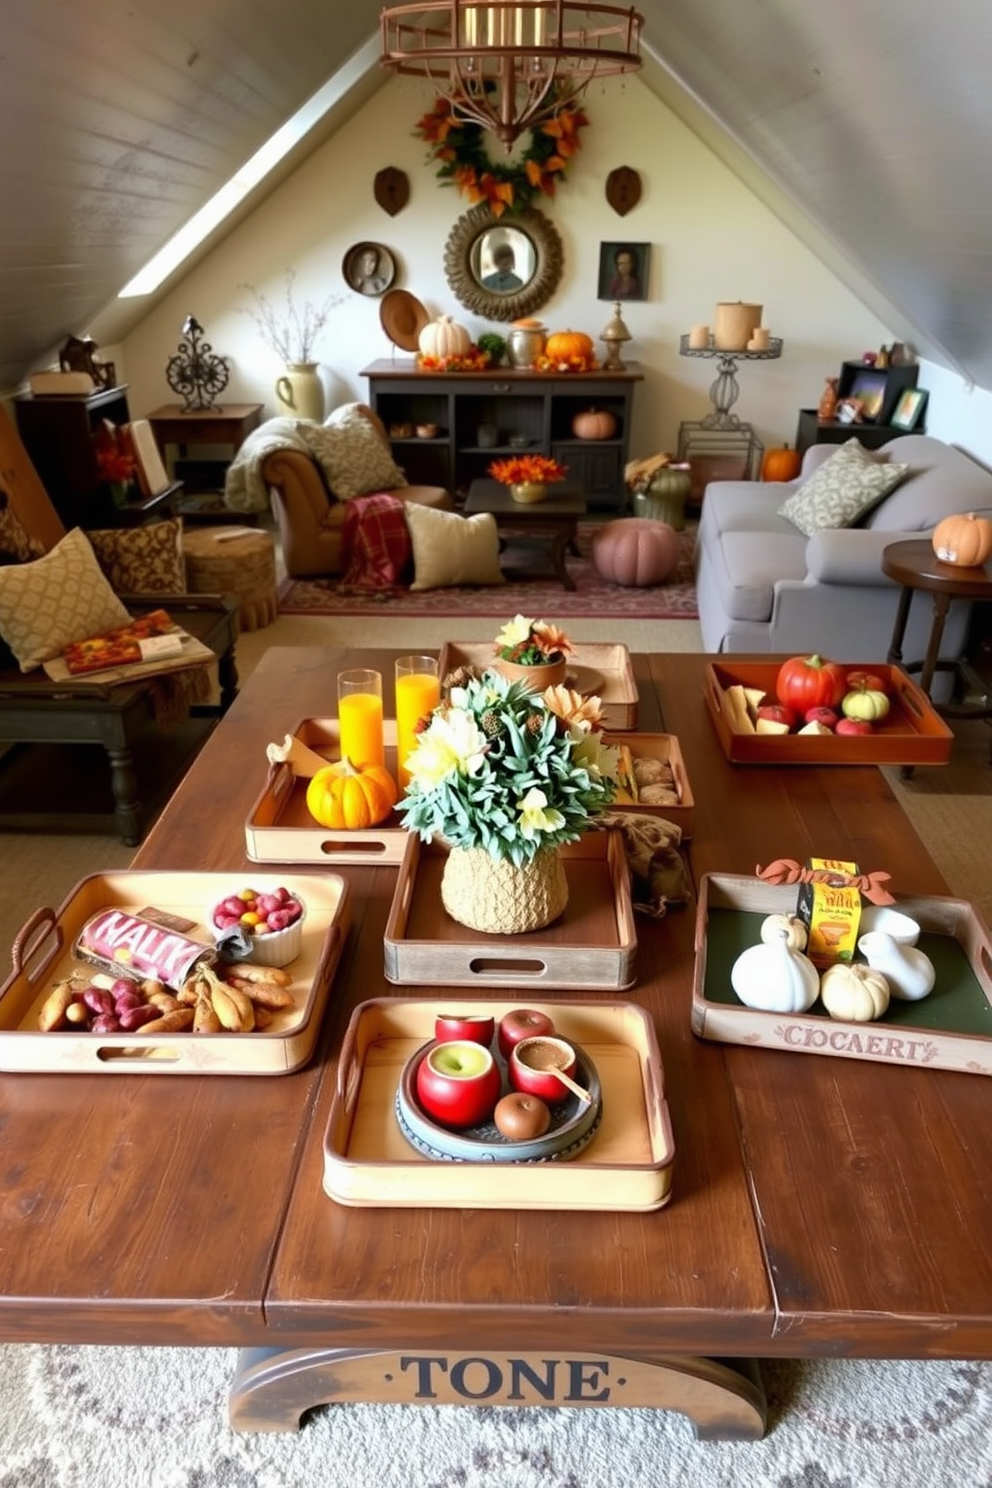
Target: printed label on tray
130	945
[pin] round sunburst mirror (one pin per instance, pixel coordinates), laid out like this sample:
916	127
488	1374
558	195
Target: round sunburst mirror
503	267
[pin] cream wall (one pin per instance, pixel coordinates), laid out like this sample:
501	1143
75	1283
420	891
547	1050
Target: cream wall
711	240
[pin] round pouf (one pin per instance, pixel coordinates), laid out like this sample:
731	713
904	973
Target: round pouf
636	551
234	560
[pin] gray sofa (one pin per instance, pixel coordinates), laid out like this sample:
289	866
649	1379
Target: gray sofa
764	586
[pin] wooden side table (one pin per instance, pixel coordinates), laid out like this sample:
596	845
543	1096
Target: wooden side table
553	521
914	565
228	425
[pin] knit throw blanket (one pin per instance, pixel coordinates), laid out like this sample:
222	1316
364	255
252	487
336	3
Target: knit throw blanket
244	488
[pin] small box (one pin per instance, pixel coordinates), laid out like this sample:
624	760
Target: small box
830	908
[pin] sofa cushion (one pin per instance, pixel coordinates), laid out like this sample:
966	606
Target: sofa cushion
450	549
143	560
58	599
16	543
846	486
747	566
354	458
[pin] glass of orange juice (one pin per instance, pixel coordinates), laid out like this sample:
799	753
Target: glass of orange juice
360	717
418	692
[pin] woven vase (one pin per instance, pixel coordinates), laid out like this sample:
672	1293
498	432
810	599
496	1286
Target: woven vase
496	896
551	674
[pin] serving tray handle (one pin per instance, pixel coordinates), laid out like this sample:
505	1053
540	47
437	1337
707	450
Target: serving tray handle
29	940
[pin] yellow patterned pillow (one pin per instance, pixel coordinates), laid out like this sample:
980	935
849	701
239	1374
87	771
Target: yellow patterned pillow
143	560
351	451
449	549
58	599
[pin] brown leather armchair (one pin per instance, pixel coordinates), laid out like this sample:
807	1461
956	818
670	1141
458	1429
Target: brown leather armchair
309	516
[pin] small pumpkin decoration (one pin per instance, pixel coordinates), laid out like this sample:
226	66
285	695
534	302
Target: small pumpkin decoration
866	703
854	993
795	930
774	978
568	348
964	539
594	423
444	337
347	797
781	464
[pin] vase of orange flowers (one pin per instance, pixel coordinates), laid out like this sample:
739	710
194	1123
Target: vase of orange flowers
532	651
528	476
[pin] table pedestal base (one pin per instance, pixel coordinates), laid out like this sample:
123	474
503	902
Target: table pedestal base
272	1388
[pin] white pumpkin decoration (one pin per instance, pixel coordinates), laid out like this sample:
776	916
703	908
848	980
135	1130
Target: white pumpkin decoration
775	979
444	337
795	928
854	993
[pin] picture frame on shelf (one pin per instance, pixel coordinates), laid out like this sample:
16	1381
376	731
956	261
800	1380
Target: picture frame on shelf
909	410
869	389
623	271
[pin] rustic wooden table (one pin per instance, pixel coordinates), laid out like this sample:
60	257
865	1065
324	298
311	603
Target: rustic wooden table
821	1206
551	524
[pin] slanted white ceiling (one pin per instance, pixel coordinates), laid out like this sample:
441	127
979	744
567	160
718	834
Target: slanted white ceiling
867	126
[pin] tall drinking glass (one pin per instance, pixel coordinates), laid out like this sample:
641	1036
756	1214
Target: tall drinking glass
418	692
360	717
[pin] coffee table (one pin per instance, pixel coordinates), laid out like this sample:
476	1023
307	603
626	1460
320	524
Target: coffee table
821	1206
552	524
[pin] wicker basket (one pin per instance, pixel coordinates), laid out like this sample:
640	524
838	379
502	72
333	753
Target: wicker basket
496	896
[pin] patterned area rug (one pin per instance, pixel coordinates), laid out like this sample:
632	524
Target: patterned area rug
593	596
157	1418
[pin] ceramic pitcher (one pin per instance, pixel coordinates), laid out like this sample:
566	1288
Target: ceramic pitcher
300	392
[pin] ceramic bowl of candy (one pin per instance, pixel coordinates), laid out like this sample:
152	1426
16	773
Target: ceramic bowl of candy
265	926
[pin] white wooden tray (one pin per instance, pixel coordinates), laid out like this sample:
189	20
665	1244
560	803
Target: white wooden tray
600	667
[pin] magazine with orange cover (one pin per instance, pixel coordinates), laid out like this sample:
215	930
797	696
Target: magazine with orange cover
117	647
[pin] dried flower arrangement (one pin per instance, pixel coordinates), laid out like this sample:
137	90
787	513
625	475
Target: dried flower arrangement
291	333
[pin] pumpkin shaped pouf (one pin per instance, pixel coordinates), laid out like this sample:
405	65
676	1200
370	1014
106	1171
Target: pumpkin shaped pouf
635	551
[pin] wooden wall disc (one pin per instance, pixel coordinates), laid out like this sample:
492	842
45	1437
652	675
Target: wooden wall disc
392	189
623	189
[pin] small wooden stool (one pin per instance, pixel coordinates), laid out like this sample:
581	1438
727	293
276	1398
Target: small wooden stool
234	560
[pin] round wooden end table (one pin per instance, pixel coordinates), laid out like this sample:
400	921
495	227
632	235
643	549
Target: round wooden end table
915	565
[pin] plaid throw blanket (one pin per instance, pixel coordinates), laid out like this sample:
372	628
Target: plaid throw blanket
375	542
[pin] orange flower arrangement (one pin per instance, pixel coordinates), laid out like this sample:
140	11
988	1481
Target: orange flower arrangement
523	470
459	147
475	360
114	461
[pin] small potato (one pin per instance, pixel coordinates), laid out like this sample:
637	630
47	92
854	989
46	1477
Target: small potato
175	1022
55	1007
165	1001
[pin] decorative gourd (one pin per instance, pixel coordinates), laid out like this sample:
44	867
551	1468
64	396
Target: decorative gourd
866	703
562	346
594	423
810	682
964	539
775	979
855	993
444	337
346	797
781	464
795	929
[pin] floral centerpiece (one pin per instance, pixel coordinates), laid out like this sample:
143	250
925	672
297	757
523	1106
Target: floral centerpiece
475	359
506	777
115	462
528	476
532	651
292	332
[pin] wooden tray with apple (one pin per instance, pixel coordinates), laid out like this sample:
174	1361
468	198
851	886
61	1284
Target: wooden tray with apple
912	733
625	1165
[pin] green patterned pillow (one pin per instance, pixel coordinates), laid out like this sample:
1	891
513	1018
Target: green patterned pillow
58	599
846	486
355	458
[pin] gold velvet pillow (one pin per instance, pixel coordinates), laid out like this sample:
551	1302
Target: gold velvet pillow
450	549
143	560
58	599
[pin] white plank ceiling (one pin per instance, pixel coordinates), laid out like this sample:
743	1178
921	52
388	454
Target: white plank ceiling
119	118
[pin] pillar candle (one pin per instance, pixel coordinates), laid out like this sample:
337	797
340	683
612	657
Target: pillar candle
699	338
759	339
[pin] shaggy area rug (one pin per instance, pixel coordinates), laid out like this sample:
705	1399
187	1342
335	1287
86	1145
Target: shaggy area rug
593	596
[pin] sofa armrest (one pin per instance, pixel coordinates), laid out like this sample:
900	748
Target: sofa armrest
850	555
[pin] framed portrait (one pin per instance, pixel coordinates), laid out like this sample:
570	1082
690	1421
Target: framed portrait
369	268
869	389
623	271
909	410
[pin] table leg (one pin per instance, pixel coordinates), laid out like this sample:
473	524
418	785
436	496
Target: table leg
941	604
272	1387
894	657
560	543
125	790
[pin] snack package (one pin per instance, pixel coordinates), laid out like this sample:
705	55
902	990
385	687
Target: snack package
131	945
830	907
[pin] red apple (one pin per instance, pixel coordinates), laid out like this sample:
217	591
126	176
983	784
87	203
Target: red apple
458	1083
778	713
866	682
826	716
472	1028
519	1024
533	1063
854	726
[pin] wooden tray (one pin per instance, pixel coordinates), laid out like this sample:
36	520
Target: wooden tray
42	954
596	667
280	829
593	944
628	1164
664	747
949	1029
912	734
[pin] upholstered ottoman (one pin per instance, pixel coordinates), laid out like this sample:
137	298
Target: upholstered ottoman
234	560
637	551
